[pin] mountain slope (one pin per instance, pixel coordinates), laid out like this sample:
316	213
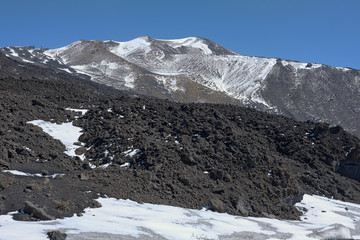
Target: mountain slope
229	158
198	70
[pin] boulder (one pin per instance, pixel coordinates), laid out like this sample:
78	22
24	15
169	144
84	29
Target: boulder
217	205
36	211
56	235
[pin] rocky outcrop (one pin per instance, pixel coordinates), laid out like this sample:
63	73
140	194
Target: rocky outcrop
36	212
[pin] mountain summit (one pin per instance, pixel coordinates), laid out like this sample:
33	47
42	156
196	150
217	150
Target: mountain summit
198	70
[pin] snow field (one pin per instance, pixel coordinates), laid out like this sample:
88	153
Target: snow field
325	218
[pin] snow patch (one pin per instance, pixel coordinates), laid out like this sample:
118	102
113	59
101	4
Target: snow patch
301	65
19	173
129	81
13	53
190	42
65	70
82	69
126	48
65	132
110	65
131	152
82	111
324	218
169	83
126	165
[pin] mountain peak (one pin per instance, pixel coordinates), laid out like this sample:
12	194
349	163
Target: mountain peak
145	37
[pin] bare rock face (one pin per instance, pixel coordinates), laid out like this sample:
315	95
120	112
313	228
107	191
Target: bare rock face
243	207
217	205
56	235
323	93
351	166
36	212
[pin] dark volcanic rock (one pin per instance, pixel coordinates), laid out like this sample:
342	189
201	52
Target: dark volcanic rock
243	161
351	166
36	212
217	205
56	235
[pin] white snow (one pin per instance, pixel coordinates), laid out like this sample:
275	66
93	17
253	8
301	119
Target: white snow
82	111
125	165
25	60
169	82
13	53
81	69
189	42
143	44
237	76
65	69
122	219
110	65
300	65
129	81
126	48
345	69
19	173
65	132
131	152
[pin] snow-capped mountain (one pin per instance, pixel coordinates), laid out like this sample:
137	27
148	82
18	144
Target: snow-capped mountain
198	70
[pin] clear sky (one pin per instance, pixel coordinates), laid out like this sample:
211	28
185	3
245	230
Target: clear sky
320	31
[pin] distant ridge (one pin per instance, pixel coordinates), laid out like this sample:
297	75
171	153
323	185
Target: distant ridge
194	69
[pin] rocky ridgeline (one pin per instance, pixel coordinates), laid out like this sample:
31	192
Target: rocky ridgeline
227	158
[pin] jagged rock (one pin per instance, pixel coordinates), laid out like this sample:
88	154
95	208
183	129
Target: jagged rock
36	212
351	166
4	164
5	181
80	151
217	205
216	174
291	201
2	207
84	177
243	207
37	103
184	180
56	235
187	158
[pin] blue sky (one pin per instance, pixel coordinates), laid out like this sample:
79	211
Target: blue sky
321	31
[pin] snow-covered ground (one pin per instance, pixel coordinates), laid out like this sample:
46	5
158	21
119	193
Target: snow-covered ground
65	132
125	219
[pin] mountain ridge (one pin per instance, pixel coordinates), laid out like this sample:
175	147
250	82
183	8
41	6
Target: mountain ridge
195	69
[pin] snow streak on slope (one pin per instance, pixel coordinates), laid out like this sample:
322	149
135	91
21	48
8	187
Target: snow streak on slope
169	62
124	219
238	76
59	54
145	45
127	48
300	65
189	42
65	132
125	65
